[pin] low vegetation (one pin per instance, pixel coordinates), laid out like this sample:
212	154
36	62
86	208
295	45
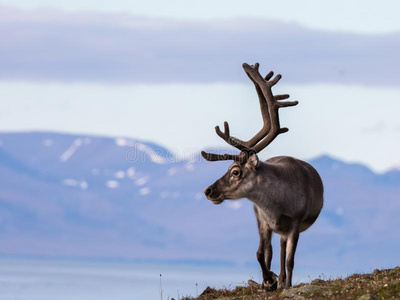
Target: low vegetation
380	284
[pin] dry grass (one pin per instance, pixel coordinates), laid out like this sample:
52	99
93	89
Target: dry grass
380	284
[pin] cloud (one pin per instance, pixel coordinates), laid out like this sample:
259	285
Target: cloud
378	127
45	45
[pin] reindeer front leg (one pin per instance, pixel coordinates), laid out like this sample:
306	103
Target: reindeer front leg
282	274
264	257
290	251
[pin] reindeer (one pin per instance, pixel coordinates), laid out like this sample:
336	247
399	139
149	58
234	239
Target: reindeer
287	193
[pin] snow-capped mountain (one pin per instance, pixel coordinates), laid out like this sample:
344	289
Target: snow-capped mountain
87	196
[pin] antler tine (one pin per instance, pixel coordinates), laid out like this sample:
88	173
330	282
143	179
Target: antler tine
281	97
226	136
268	76
271	127
216	157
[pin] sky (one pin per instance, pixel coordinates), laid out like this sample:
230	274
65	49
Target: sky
169	71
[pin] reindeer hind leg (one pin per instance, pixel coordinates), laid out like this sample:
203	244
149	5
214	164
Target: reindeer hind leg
291	250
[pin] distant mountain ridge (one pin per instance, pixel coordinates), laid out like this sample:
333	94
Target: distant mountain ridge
85	196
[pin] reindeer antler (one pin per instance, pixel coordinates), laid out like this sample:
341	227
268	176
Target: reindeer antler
269	106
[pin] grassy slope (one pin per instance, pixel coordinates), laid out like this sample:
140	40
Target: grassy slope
380	284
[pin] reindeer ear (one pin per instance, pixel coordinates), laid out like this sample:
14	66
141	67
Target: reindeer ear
253	161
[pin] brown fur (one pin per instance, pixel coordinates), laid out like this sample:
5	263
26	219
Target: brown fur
288	196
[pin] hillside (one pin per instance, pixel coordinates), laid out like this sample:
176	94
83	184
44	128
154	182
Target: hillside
87	196
380	284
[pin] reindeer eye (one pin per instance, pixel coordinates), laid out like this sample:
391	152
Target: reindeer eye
235	172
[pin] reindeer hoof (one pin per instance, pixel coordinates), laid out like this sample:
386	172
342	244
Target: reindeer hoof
272	284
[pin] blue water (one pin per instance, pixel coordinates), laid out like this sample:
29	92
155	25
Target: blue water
67	280
25	279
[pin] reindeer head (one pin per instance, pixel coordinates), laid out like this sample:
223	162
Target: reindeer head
237	182
240	179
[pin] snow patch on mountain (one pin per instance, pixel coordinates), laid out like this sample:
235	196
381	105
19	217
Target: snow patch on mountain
119	174
48	142
130	172
153	155
142	180
234	204
144	191
121	142
71	150
83	185
112	184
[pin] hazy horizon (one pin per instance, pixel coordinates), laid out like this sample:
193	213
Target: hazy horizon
171	75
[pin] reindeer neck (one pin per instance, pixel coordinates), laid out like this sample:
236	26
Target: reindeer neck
266	185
